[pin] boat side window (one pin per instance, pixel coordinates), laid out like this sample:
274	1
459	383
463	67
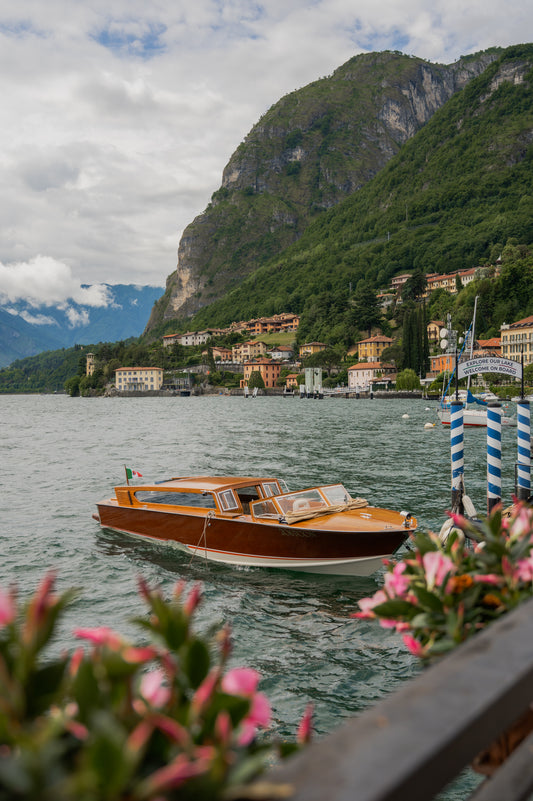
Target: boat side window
265	509
336	494
270	488
246	496
204	500
227	500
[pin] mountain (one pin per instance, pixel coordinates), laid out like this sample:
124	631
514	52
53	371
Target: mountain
455	195
26	331
311	150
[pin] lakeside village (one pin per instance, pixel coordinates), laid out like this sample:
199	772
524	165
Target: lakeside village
255	365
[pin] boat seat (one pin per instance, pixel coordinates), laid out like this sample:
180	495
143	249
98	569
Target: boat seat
301	505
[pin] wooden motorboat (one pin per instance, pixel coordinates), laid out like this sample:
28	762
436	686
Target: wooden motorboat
257	522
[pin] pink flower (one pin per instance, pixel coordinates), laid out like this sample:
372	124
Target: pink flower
240	681
437	566
42	601
244	681
458	520
413	645
305	729
75	661
521	524
223	727
136	656
397	584
206	689
154	690
140	735
7	608
175	774
524	569
367	605
259	715
387	624
101	636
402	625
172	729
193	599
488	578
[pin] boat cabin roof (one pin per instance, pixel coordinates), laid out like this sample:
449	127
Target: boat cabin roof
210	483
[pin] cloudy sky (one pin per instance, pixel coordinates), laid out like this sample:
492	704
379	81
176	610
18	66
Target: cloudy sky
118	116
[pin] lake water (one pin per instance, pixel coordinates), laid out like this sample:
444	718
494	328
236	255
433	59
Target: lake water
59	455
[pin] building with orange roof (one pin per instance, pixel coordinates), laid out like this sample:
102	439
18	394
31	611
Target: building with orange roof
361	376
268	369
517	339
370	350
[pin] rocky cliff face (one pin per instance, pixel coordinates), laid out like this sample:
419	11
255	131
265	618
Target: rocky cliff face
307	153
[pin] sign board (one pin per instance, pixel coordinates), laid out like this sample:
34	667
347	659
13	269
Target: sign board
490	364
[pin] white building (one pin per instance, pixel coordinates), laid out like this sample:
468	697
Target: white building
128	379
362	375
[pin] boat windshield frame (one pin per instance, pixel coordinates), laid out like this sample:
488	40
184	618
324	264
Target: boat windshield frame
315	499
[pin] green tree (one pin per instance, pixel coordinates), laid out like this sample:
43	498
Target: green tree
366	310
407	380
256	380
415	286
72	386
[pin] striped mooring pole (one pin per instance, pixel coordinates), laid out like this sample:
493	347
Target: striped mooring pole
458	455
494	455
523	438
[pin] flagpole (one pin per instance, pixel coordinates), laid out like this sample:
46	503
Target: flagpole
127	479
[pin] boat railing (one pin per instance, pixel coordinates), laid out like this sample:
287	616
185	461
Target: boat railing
421	738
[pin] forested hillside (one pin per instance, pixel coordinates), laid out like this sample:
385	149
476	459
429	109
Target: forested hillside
313	148
452	198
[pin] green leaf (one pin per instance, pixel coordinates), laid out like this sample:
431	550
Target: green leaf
394	609
429	599
197	662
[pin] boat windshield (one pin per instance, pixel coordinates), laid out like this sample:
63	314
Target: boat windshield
336	494
301	501
203	499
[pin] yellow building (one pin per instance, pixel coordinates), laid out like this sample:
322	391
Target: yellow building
90	364
142	379
370	350
434	328
248	350
311	347
517	338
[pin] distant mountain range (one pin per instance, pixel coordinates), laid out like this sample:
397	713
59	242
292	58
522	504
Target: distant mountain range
27	331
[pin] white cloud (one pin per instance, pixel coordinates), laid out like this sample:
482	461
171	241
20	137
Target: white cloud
120	115
77	317
32	319
43	281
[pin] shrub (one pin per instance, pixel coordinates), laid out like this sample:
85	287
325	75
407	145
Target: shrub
445	592
160	720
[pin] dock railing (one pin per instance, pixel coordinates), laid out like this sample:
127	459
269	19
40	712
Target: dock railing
416	741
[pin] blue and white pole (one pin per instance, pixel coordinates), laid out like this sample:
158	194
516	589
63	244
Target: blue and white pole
523	438
494	455
458	455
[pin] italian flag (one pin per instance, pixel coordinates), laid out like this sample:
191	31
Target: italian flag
133	473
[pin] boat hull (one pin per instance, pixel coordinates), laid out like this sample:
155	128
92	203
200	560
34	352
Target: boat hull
351	543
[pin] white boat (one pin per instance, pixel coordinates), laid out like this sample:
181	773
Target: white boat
472	417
